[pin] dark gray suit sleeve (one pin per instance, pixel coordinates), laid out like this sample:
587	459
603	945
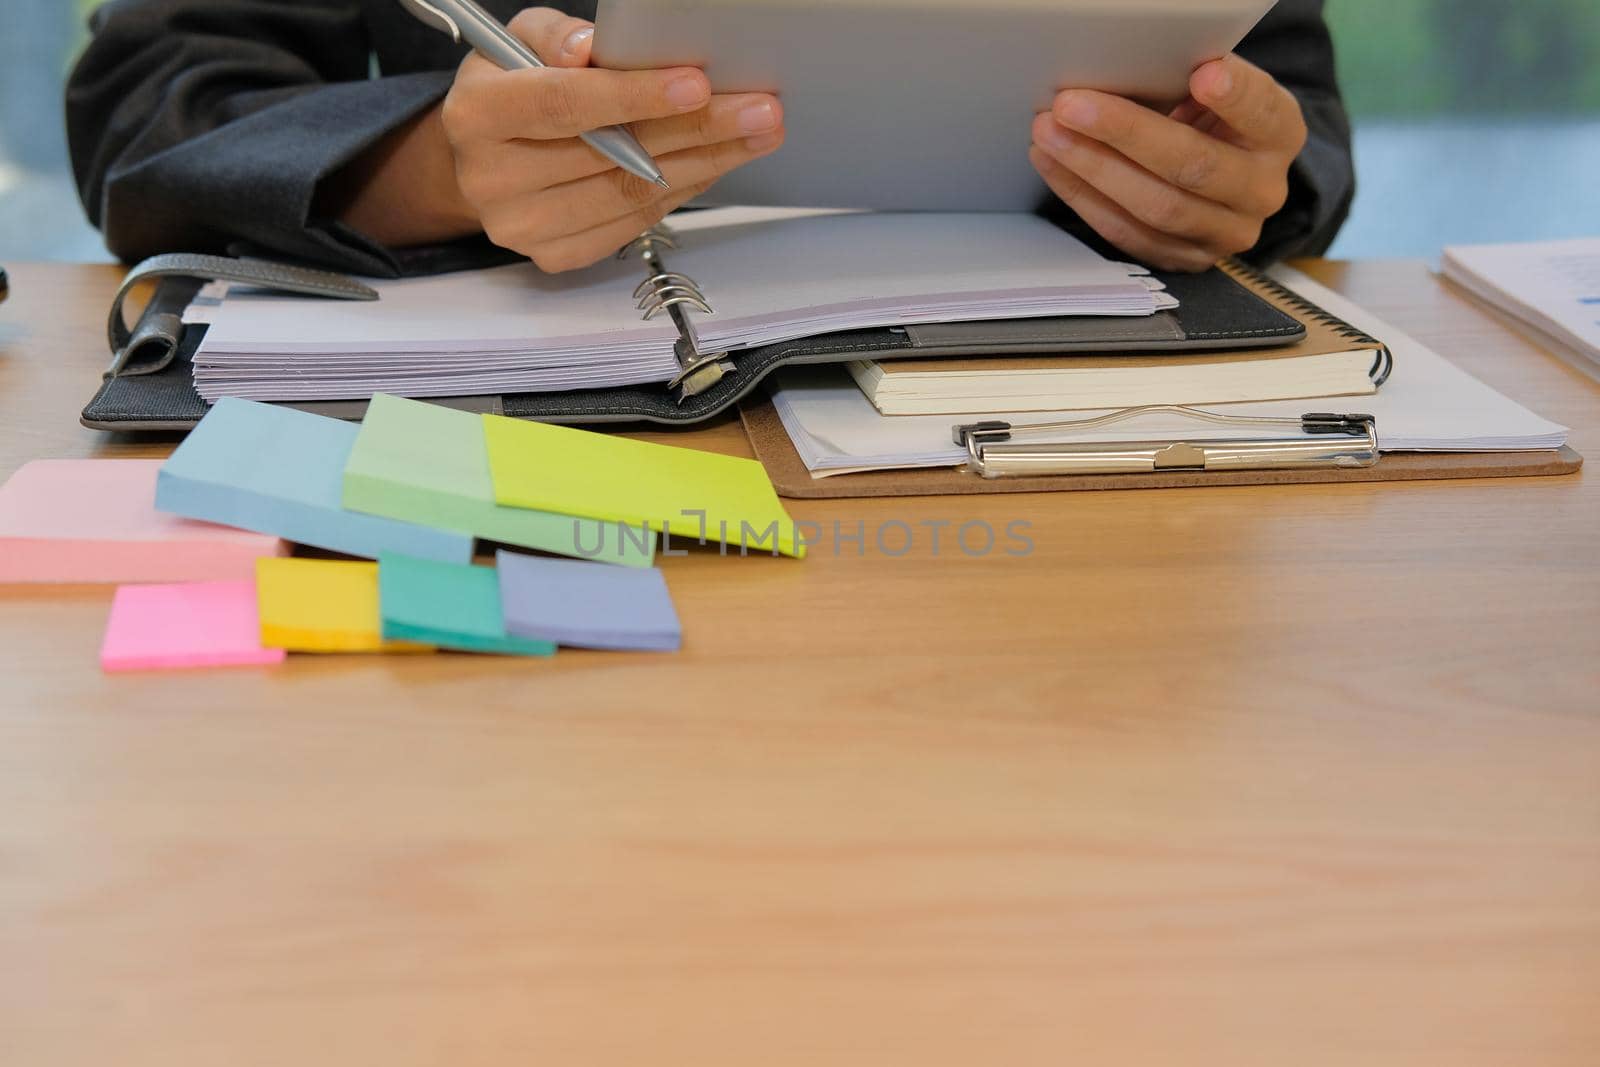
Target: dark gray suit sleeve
1293	44
197	125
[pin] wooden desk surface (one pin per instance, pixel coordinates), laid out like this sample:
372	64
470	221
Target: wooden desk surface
1237	776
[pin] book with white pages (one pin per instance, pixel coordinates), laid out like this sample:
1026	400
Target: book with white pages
1428	405
721	283
1332	359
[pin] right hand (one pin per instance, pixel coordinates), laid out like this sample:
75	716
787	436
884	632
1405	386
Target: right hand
535	188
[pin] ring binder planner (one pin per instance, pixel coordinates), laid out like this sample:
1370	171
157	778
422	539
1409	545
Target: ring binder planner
992	453
731	295
668	291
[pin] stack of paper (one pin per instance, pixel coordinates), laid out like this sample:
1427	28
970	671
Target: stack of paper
512	329
1428	405
851	271
1553	286
517	329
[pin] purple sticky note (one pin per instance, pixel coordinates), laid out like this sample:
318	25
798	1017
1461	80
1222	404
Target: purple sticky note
587	605
196	624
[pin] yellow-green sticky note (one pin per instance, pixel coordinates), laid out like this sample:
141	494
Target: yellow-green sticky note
689	494
313	605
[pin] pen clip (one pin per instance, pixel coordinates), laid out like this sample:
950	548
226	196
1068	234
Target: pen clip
432	16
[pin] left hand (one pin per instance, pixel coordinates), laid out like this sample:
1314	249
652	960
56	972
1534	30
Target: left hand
1177	191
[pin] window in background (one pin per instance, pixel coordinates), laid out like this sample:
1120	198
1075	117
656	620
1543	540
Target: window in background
40	217
1477	120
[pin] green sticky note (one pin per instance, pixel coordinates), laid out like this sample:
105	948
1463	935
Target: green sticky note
689	494
450	605
426	464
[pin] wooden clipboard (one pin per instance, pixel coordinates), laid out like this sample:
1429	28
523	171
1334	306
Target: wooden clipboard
791	478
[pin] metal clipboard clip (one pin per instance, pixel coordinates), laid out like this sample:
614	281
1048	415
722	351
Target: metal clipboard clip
1322	441
676	294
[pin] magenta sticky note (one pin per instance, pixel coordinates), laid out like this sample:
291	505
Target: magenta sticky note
176	627
94	520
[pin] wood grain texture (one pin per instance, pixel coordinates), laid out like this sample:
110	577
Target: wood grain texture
1298	775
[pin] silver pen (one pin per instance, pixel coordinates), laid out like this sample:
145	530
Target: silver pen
465	21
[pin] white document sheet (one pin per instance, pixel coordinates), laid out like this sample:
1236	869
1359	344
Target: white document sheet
1553	286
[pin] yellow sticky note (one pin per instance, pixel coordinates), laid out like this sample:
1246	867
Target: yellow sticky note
312	605
690	494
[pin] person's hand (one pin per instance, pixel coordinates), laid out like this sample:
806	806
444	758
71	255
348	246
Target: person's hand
501	155
1177	191
535	188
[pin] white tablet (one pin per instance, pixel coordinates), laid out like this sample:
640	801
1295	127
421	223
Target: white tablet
917	105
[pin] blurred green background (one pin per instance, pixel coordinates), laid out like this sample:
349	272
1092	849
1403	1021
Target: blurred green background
1477	120
1468	57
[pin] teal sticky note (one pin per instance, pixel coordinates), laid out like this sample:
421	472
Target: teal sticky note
275	470
429	464
449	605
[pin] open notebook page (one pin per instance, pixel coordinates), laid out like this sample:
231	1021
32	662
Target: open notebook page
506	309
818	274
516	329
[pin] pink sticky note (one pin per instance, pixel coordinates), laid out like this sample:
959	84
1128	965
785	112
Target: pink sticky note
197	624
94	520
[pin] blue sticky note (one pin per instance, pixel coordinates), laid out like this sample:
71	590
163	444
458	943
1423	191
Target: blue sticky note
279	471
587	605
448	605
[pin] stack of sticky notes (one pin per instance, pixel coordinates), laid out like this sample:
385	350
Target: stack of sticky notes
427	464
95	520
194	624
281	471
679	492
318	605
587	605
451	606
201	543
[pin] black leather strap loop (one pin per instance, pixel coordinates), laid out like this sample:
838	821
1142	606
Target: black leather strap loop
162	330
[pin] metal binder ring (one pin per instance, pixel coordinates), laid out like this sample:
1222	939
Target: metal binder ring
677	301
646	243
664	276
667	291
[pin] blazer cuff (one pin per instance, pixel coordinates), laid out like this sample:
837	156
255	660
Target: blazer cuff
254	181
